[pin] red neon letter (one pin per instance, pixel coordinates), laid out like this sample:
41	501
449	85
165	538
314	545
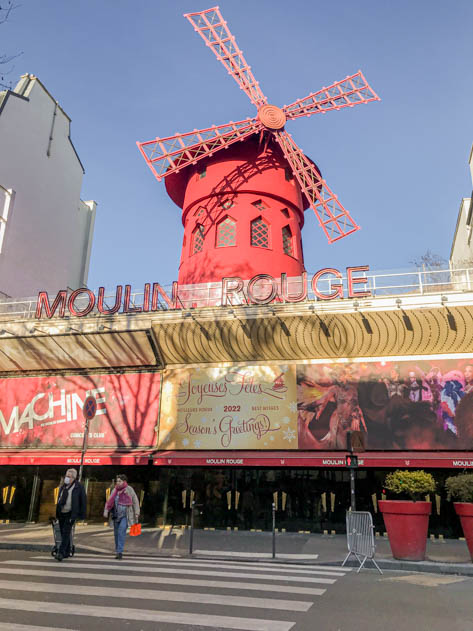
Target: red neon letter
116	306
270	297
126	302
338	293
159	291
226	290
357	281
300	297
43	301
73	296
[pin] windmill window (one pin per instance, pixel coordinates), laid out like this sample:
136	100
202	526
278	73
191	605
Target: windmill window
288	174
226	233
287	241
259	233
198	239
201	172
227	204
199	212
6	198
285	212
259	205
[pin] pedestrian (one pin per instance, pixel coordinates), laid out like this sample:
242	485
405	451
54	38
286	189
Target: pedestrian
123	509
71	505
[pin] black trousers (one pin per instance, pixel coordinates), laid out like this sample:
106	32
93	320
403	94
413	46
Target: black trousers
65	524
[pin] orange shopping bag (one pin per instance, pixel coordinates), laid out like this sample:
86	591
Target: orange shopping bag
135	530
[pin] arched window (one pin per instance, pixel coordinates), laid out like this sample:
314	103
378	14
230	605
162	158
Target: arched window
198	238
226	233
259	233
287	241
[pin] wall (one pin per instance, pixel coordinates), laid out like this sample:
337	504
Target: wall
49	230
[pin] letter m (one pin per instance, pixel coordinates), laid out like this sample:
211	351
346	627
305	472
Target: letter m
43	301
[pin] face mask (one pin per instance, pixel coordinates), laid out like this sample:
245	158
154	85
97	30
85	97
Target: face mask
67	480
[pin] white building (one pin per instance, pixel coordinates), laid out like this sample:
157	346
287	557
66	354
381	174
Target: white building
45	228
461	254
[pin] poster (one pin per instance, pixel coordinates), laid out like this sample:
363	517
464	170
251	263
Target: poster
238	407
399	405
46	412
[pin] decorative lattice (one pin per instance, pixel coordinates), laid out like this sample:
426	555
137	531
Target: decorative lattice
287	244
227	204
198	239
226	233
259	233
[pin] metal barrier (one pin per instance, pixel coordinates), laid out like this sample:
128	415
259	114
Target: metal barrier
360	538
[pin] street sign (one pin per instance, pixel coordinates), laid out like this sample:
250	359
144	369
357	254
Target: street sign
89	409
351	461
355	441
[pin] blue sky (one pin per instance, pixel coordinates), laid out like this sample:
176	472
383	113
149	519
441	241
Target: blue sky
128	70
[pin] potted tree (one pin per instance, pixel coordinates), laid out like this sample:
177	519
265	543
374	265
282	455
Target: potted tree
407	519
460	487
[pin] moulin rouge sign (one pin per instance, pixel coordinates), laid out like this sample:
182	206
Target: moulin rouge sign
232	287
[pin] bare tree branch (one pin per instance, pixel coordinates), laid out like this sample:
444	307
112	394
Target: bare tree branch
6	9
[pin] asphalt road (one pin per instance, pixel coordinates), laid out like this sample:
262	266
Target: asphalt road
95	592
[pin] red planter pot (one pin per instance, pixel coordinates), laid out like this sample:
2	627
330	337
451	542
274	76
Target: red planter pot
407	524
465	512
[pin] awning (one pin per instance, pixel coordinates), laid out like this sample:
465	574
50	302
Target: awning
72	458
287	459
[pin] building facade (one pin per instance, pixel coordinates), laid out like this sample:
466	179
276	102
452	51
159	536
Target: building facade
46	230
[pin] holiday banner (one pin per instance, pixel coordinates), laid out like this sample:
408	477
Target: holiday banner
399	405
46	412
238	407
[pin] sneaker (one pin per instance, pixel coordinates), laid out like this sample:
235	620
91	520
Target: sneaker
119	555
59	557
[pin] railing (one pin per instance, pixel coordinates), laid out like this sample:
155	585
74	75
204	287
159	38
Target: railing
411	283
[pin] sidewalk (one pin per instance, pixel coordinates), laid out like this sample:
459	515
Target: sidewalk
449	556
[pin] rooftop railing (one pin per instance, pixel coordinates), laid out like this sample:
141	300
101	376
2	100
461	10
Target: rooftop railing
410	283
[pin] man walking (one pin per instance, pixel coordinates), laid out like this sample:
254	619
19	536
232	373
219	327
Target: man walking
71	505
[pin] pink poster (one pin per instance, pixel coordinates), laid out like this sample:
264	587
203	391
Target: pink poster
46	412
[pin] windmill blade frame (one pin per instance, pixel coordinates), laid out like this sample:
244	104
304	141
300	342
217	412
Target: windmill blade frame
214	31
169	155
348	92
334	219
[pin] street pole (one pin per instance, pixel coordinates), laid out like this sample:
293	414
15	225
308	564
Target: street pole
191	537
352	490
274	530
84	447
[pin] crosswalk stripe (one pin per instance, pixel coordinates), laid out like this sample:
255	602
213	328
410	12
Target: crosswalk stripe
151	594
158	580
11	626
173	617
259	555
189	563
203	572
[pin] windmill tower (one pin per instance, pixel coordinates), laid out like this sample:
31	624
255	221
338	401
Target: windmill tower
243	208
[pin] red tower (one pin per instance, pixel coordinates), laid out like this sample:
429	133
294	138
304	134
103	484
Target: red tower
243	208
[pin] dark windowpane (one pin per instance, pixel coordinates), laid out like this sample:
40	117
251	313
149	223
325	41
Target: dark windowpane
259	233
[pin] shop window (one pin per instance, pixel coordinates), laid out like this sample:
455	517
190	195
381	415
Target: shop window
259	205
259	233
198	239
285	212
287	241
226	233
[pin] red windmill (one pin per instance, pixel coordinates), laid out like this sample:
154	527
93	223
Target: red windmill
242	210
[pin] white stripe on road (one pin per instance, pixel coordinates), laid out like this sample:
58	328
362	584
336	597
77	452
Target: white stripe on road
172	617
11	626
151	594
258	555
167	580
267	567
118	566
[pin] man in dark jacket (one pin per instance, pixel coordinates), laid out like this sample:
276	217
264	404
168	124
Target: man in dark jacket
71	505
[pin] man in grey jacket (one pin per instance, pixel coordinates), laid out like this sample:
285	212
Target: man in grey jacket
71	505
